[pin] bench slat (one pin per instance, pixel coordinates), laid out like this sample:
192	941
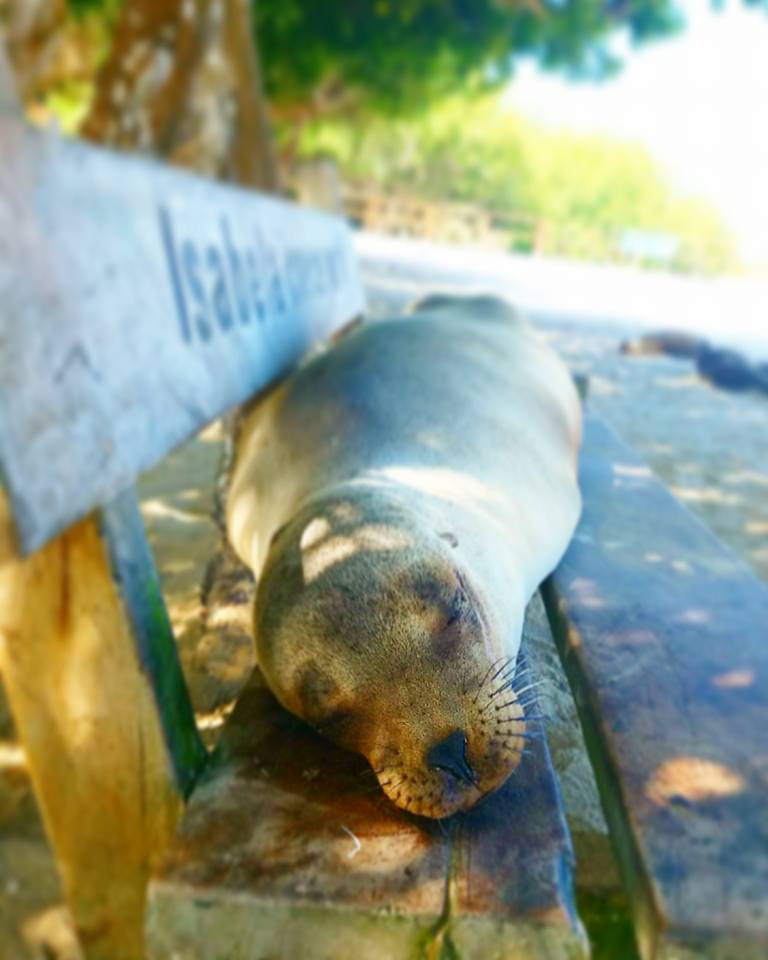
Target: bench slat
88	720
289	848
137	303
664	636
135	575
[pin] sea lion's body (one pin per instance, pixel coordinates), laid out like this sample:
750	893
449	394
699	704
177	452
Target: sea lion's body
399	500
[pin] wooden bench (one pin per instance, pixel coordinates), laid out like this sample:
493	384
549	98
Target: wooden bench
137	305
663	633
664	637
290	849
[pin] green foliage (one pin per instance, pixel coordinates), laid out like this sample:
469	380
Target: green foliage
322	57
585	190
68	101
105	8
398	55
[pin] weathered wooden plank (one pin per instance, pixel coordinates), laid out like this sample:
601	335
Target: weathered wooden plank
138	303
290	849
133	569
9	101
88	721
663	634
8	542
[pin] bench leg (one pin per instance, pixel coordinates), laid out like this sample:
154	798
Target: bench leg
88	720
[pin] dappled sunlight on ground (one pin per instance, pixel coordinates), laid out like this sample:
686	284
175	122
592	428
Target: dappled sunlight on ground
693	780
710	447
735	679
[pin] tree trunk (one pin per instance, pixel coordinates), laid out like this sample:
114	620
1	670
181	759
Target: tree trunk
32	30
47	47
183	81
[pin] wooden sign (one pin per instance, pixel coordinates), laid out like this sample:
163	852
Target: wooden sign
137	303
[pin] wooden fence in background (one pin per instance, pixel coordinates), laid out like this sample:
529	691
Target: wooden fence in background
406	215
318	183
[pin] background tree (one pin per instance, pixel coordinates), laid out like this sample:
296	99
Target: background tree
585	190
52	51
322	56
398	55
183	80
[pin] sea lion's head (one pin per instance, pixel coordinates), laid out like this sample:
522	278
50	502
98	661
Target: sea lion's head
370	628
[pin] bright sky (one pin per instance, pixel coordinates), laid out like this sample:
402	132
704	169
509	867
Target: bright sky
698	102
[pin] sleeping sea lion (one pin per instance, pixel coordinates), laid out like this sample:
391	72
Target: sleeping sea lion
670	343
399	499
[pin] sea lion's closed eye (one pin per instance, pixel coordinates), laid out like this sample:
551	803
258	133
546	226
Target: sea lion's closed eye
459	605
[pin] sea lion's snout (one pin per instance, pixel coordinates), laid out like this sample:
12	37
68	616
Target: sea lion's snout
391	650
450	756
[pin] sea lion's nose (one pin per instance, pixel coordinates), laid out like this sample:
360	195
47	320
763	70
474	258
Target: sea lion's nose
450	756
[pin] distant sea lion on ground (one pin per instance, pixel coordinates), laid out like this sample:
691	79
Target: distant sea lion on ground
670	343
399	499
721	366
730	370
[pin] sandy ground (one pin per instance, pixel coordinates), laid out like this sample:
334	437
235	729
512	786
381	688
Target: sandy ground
710	447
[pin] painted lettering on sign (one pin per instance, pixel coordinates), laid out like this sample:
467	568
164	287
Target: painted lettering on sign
219	284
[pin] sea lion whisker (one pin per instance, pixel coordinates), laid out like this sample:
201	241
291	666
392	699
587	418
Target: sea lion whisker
526	668
389	766
490	703
394	786
507	679
511	671
510	683
534	705
505	686
381	784
523	733
501	706
530	686
529	704
524	736
487	672
508	662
